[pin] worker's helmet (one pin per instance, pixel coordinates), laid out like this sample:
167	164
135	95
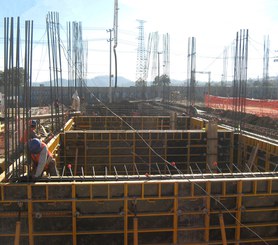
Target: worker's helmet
33	123
35	146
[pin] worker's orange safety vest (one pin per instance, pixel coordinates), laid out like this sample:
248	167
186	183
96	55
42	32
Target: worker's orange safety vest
36	157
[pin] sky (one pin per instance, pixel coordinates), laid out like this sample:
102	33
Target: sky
214	24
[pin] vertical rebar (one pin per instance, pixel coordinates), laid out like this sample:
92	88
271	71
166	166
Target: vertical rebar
17	84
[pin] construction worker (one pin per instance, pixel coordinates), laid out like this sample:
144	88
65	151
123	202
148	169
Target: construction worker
42	159
83	106
75	102
30	133
56	106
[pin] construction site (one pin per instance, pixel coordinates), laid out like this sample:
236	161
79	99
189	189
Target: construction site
166	166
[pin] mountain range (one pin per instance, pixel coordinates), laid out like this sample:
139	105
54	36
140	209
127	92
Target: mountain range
103	81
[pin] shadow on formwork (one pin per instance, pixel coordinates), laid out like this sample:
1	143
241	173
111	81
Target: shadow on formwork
147	180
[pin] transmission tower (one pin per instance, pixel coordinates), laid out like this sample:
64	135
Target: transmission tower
141	56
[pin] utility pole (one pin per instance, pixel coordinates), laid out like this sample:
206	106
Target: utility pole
110	64
115	30
191	68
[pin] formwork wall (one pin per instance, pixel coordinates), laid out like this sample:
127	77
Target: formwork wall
179	210
138	123
94	142
157	212
134	122
144	148
267	155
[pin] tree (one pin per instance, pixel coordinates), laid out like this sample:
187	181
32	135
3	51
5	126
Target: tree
16	75
140	83
163	80
163	83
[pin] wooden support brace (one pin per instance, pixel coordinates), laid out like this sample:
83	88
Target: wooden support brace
223	232
252	157
135	231
17	233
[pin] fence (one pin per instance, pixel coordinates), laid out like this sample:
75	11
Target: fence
262	108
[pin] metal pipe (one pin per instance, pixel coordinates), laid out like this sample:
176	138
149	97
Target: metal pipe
189	177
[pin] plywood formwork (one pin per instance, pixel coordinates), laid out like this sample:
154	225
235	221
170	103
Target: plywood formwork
137	122
132	122
144	148
184	211
120	189
141	141
267	156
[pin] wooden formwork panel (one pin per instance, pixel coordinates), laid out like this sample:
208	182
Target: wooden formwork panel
108	149
267	156
129	122
144	148
166	212
197	123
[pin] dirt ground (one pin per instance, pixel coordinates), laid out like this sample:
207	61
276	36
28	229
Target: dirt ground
265	122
